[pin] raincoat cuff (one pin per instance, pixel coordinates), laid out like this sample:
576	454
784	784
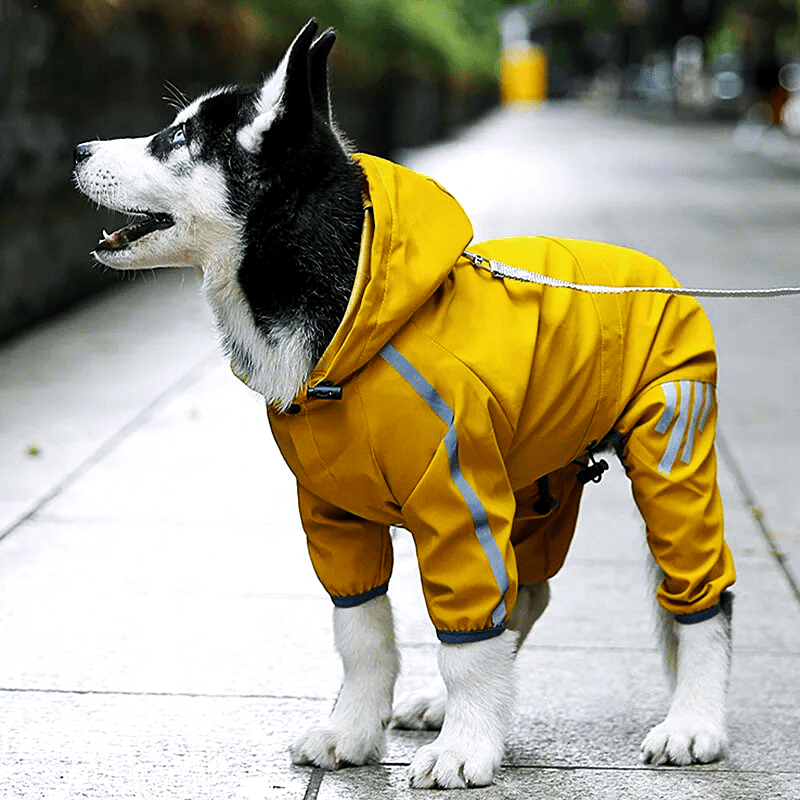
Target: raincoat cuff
353	600
698	616
465	637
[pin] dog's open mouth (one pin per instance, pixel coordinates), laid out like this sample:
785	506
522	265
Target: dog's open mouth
148	222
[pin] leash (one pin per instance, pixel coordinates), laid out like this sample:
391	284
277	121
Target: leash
499	270
594	469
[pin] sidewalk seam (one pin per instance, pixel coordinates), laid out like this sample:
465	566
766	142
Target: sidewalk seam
189	378
314	783
144	693
748	496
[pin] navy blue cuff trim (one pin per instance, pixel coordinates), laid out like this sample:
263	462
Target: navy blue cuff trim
350	601
463	637
699	616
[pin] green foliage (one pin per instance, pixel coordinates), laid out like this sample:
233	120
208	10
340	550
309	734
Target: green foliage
727	40
458	37
596	15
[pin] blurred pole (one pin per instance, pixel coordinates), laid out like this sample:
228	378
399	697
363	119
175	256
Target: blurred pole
523	65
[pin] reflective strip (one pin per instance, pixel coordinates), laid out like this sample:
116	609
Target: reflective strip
479	519
670	407
675	439
418	384
707	408
699	402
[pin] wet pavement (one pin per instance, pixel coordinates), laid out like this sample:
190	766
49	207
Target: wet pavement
162	632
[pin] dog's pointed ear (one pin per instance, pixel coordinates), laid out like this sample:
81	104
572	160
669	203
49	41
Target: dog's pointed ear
318	73
286	94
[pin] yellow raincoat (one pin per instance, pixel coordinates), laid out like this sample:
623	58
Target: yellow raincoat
460	391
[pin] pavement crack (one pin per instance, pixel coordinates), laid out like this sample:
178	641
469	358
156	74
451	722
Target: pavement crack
189	378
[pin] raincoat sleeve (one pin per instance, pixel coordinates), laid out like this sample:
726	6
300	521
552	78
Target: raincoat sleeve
351	556
460	514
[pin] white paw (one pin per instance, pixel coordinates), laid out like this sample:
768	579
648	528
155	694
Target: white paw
454	765
420	712
331	747
685	739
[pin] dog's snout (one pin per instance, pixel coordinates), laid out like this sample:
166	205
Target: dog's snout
81	153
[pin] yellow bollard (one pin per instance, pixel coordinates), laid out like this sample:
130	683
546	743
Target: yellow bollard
523	74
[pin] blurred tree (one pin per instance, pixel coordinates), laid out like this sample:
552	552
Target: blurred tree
764	36
646	26
596	15
446	37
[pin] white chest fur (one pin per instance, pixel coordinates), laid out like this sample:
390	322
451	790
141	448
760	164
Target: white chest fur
274	363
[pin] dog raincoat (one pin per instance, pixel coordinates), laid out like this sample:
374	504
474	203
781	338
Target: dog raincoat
448	395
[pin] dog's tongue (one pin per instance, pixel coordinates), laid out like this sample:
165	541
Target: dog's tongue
136	230
113	241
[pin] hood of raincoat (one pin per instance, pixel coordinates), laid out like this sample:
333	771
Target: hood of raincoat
400	265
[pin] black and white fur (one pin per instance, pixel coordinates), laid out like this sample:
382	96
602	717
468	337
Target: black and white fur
255	187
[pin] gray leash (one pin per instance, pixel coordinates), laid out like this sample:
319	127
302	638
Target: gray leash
499	270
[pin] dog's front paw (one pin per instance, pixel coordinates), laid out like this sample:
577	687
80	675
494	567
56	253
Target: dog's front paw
331	747
454	765
685	739
420	712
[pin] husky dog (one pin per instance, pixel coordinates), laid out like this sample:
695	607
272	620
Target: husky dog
313	256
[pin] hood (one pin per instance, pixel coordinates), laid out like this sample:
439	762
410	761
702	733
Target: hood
414	233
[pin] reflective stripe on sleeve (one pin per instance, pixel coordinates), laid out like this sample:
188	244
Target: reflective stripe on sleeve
479	519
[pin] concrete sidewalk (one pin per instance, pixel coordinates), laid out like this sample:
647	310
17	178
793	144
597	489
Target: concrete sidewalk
161	630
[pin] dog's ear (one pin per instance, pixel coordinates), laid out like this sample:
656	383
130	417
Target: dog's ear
286	94
318	73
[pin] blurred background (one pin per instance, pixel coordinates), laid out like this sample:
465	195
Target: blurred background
405	73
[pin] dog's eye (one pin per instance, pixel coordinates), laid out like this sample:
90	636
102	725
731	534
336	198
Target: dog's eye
178	136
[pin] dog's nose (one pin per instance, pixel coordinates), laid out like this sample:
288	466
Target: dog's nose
82	152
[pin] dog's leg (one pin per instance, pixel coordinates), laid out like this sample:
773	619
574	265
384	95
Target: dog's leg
479	678
665	627
694	730
424	710
532	600
355	732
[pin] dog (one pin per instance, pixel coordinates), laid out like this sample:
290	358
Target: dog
407	387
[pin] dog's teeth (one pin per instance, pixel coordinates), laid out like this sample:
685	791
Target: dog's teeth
106	234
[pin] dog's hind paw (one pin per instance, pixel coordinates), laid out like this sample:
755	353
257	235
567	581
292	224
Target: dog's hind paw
684	740
420	712
446	766
330	748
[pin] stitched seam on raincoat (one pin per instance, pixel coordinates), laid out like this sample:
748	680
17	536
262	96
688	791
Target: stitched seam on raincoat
580	451
389	249
620	341
477	512
423	332
322	369
370	439
316	448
